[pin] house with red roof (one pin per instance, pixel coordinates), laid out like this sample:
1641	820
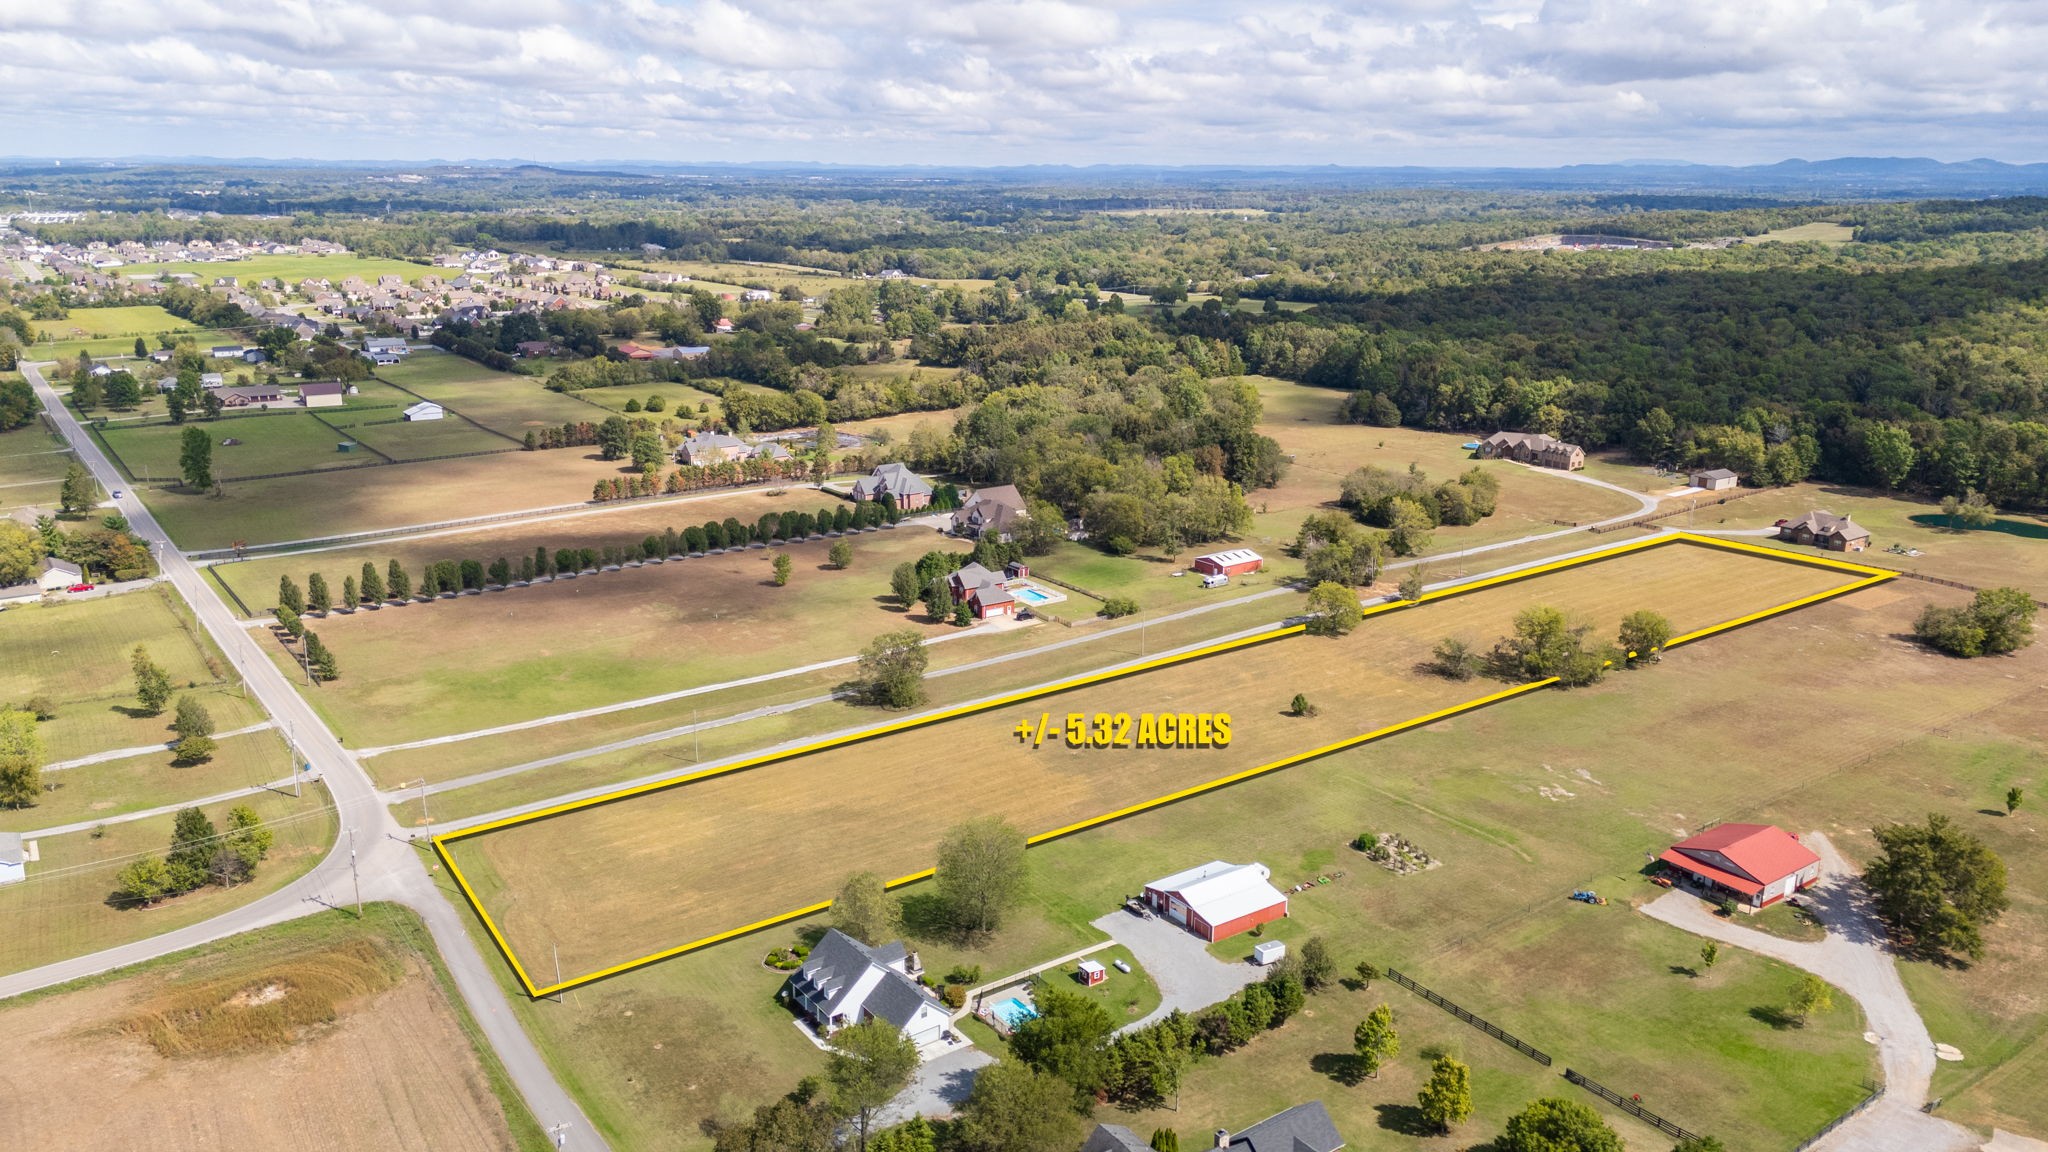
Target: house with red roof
1757	864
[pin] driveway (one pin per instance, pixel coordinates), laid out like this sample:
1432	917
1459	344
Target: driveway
938	1086
1856	959
1188	977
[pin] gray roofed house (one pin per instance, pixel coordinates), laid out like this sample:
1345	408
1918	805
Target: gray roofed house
995	510
1827	530
844	981
701	448
1302	1128
1114	1138
13	858
909	490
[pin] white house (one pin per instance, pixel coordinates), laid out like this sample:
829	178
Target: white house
387	345
60	574
14	858
227	352
1715	479
843	981
425	410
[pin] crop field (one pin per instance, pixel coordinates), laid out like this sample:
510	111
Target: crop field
1305	422
317	505
476	661
501	401
284	440
364	1047
292	269
130	321
62	909
611	883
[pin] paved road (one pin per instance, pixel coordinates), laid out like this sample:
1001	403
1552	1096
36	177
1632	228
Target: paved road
1856	959
390	868
1188	977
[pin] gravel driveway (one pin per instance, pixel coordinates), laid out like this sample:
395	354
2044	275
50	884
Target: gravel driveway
1188	977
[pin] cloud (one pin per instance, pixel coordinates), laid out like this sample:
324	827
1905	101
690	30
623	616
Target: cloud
1027	81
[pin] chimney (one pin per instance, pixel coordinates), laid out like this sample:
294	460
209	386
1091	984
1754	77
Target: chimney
1223	1138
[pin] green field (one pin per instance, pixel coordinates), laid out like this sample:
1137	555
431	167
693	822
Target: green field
104	347
61	910
116	787
281	440
1523	803
131	321
503	402
77	654
1820	231
681	400
32	464
291	268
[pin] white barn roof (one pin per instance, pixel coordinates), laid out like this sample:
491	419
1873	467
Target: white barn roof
1220	891
1233	556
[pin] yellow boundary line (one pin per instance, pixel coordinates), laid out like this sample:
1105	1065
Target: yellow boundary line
1870	576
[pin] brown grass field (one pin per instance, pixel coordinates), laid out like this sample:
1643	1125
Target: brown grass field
610	883
327	1033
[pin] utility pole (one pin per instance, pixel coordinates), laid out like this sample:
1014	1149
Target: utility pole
560	997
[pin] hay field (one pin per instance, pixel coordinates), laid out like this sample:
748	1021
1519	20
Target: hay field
1304	421
321	505
77	654
357	1044
1826	232
501	401
618	881
291	269
476	661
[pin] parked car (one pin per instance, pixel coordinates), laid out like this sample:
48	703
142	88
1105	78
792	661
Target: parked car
81	588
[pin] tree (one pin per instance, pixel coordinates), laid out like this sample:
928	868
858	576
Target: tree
1446	1098
141	348
1410	588
913	1135
318	599
614	438
1544	644
891	670
938	599
351	599
1013	1107
289	596
193	843
145	881
841	555
1332	610
398	582
194	726
1937	886
21	759
1709	952
2007	617
324	665
247	838
80	491
799	1122
195	458
1317	968
1066	1038
1887	452
782	568
1300	706
1972	510
1453	659
1643	636
152	685
1553	1125
1375	1040
290	622
2013	796
862	909
869	1065
1408	526
647	451
1367	972
1810	995
21	553
980	873
904	585
1164	1140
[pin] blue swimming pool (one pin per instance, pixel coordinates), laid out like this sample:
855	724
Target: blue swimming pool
1013	1012
1030	595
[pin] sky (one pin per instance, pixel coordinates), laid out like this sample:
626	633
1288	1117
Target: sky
1491	82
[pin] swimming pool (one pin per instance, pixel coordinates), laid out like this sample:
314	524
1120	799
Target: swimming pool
1013	1012
1030	595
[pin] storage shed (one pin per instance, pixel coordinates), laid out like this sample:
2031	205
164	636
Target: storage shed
1218	900
1235	562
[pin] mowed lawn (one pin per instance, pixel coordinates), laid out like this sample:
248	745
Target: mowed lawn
32	465
62	909
1522	802
320	505
476	661
132	320
134	783
280	440
1306	424
587	881
77	654
504	402
398	1063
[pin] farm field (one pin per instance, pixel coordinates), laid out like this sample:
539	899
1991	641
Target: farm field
282	440
62	910
501	401
476	661
1820	231
1522	802
32	464
387	1054
77	654
289	268
679	401
317	506
570	880
1304	420
131	321
897	429
108	347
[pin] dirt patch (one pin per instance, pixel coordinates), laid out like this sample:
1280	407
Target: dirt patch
274	1008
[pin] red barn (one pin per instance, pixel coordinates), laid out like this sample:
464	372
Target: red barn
1218	900
1235	562
1758	864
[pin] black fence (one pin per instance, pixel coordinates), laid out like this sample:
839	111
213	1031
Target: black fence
1876	1091
1515	1042
1628	1105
